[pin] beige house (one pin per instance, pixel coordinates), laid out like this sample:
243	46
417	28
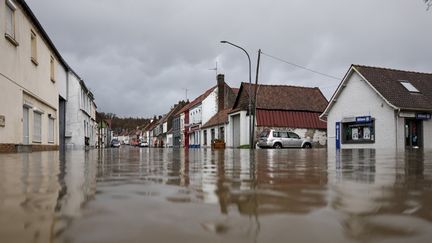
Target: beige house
33	81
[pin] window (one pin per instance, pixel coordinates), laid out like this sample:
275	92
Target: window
33	48
354	132
212	135
10	20
205	137
283	134
52	69
37	127
221	133
409	86
276	134
51	130
293	135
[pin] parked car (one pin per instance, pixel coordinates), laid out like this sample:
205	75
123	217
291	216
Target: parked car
282	139
115	143
143	144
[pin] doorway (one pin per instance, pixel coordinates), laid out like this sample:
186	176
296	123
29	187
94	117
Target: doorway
25	125
413	133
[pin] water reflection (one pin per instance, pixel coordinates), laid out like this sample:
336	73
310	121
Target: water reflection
205	195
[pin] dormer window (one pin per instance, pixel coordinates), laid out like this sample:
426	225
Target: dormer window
409	86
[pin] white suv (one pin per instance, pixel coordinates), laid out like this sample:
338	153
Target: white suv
282	139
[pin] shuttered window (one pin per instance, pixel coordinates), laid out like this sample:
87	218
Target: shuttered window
37	127
51	130
10	19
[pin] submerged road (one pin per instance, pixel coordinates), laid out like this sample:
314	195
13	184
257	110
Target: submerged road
199	195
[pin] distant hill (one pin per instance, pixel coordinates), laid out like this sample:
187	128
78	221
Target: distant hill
119	124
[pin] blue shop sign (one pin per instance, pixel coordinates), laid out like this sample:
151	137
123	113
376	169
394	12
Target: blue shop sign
363	119
423	116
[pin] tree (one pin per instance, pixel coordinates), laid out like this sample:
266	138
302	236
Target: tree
428	4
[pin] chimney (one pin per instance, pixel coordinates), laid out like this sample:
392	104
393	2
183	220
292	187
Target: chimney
221	91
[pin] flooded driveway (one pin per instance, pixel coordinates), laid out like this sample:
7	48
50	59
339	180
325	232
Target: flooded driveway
199	195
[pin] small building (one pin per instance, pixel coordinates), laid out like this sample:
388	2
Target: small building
380	108
285	107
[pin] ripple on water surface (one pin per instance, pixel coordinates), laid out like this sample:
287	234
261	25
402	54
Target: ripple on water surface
200	195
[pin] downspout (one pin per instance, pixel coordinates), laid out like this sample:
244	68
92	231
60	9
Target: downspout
396	128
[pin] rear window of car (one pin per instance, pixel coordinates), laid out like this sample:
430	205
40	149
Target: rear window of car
264	134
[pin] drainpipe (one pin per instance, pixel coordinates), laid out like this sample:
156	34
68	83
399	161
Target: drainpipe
396	128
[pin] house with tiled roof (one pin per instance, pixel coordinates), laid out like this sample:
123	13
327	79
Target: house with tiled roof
380	108
163	130
285	107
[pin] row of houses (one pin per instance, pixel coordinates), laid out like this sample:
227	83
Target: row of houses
44	104
373	107
221	113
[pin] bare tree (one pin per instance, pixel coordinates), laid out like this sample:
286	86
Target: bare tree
428	4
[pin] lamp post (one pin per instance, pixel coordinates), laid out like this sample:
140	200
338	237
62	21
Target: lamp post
249	91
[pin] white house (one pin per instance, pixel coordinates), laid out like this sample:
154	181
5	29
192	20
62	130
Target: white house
285	107
80	114
380	108
32	82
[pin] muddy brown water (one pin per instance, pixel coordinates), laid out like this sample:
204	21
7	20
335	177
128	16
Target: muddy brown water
199	195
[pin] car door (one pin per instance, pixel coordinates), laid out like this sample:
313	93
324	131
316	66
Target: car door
295	140
285	139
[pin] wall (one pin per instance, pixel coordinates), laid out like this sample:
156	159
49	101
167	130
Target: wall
209	106
19	75
79	111
359	99
242	133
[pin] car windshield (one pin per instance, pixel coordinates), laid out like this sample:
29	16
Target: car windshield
115	141
264	134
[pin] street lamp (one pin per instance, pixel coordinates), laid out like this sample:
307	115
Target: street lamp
249	91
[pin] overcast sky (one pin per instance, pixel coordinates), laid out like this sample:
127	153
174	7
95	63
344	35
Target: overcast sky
138	56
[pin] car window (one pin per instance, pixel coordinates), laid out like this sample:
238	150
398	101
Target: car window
284	134
264	134
276	134
293	135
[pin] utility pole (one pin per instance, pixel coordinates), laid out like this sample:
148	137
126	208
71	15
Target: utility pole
255	97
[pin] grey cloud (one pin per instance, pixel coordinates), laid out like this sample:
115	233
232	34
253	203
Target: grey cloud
137	56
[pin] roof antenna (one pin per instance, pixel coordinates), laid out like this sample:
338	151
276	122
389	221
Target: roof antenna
215	69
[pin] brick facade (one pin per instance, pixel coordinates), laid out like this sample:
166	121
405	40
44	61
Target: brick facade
14	148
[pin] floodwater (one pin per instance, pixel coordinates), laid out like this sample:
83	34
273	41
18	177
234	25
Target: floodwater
199	195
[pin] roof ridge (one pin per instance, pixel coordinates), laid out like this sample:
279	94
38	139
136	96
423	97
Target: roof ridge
390	69
284	85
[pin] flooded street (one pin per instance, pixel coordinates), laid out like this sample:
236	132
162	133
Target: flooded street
199	195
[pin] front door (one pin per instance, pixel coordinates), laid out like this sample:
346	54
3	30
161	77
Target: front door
413	133
25	125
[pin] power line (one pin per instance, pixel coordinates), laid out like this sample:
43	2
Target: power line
298	66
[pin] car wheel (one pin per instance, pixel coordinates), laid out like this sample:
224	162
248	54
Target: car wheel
277	146
307	145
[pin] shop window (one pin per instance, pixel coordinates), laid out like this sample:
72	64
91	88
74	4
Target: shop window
354	132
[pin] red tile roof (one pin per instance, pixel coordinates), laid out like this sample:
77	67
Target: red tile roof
291	119
196	101
219	118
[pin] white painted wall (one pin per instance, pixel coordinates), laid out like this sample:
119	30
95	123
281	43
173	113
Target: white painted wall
80	114
19	76
244	129
195	114
359	99
209	106
61	79
427	134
